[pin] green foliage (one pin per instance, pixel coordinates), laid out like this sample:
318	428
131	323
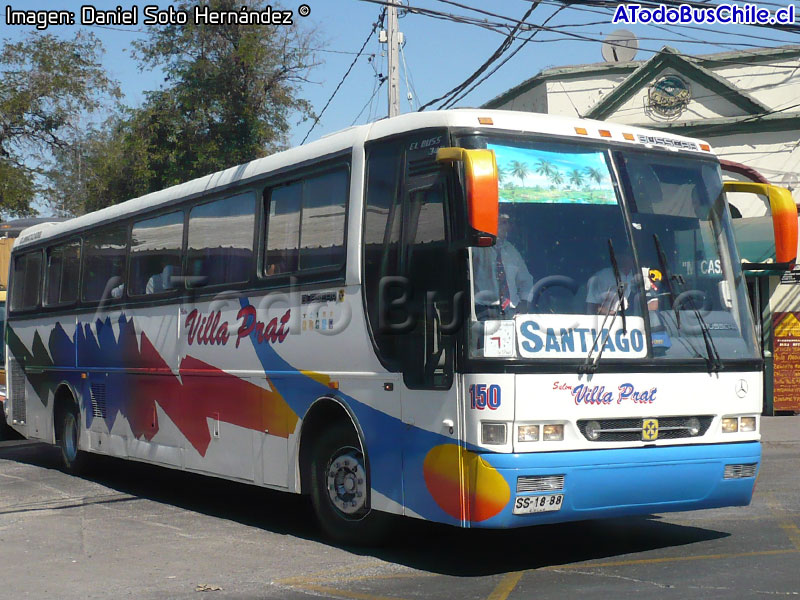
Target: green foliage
110	162
46	86
576	178
519	170
17	188
230	90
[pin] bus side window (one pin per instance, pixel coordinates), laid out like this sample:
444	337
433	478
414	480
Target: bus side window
155	264
283	229
323	220
27	283
306	223
104	264
220	249
62	273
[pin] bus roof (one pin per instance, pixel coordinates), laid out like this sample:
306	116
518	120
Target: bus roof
517	121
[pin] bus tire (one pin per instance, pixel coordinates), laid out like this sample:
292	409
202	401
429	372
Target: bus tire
340	489
73	459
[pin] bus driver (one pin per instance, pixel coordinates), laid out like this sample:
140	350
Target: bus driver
502	280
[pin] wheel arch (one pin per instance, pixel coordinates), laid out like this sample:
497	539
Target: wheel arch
323	413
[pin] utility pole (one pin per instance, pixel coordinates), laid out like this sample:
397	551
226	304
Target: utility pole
392	56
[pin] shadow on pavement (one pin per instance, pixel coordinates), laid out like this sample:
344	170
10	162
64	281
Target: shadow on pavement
420	545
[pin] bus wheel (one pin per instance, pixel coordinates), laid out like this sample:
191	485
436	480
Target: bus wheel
72	458
340	489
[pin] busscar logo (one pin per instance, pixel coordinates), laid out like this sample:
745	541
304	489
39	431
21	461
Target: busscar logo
669	143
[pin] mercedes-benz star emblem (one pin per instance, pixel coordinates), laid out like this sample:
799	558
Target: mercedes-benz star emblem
741	388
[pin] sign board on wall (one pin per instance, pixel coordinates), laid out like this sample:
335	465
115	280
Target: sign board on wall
786	357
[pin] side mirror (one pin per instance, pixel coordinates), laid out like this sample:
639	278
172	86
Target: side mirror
480	172
784	223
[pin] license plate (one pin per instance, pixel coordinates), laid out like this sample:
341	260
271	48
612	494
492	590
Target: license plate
533	504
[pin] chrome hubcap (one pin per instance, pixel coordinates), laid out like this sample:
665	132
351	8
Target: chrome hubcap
347	481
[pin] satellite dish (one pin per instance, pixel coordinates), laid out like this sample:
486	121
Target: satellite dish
620	46
789	181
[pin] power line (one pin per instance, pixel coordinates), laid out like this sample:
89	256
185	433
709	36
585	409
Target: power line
350	68
751	119
378	85
505	60
504	46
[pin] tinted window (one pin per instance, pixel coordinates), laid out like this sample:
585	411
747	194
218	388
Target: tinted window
63	272
283	229
221	241
156	254
27	281
322	223
306	223
104	264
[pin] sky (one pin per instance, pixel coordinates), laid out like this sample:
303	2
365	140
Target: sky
438	53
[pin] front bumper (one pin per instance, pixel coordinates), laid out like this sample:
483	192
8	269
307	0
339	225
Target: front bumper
621	482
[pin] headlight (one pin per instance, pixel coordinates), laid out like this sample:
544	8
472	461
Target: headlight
747	424
553	433
730	425
493	434
528	433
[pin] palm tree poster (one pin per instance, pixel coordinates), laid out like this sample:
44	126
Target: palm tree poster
534	175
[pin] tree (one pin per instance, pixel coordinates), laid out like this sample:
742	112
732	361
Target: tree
576	178
111	161
545	168
556	177
519	170
230	91
47	86
594	174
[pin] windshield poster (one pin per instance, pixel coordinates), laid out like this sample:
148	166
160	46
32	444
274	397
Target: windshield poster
532	175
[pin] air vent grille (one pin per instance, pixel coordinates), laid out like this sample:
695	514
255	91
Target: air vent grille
540	483
630	430
740	471
18	392
422	166
99	400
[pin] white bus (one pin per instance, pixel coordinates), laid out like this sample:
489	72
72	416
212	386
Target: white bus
347	320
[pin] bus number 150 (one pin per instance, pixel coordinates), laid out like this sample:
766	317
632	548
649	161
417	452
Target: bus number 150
481	396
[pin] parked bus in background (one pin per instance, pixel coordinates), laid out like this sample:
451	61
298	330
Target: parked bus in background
9	230
346	320
5	257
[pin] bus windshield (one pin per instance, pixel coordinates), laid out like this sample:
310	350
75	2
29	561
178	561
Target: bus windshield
623	253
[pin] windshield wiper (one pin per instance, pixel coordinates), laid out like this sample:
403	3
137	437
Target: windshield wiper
589	365
620	285
714	360
662	262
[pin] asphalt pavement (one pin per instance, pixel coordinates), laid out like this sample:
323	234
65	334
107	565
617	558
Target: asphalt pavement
136	531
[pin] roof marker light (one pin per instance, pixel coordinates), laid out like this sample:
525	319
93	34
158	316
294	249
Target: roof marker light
705	147
485	120
581	131
629	137
605	133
